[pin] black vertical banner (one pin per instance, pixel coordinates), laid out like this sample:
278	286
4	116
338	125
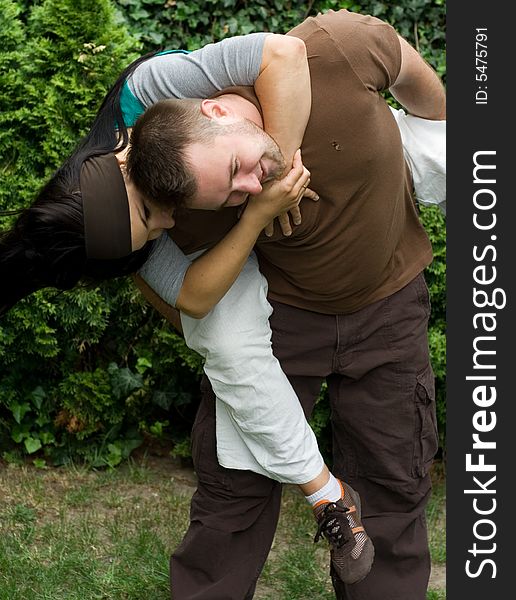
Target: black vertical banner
481	238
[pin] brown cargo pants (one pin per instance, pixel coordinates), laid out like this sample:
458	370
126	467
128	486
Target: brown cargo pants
381	389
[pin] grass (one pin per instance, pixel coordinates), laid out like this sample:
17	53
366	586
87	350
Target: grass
70	534
436	595
436	519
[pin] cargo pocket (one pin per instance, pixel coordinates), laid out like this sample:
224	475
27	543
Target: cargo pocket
204	451
425	434
227	500
204	455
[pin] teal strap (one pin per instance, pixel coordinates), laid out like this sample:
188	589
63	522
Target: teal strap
172	52
131	107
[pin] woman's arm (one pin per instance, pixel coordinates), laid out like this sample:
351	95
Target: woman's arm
285	94
284	91
282	83
276	65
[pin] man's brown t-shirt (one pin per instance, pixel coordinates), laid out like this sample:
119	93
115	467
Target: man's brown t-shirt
362	241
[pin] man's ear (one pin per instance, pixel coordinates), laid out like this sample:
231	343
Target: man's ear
214	109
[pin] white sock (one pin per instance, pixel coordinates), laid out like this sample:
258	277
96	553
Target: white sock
331	491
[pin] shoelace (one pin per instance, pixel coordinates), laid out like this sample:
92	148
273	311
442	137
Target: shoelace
335	527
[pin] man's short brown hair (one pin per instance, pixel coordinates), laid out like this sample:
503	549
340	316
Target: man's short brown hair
157	161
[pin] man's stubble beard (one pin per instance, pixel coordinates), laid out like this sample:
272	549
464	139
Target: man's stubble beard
271	152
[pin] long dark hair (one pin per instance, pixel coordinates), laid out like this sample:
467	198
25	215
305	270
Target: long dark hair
109	128
45	247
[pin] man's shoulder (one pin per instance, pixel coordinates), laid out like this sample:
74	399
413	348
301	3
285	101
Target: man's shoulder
339	23
368	45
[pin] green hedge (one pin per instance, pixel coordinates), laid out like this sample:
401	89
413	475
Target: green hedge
90	373
190	25
78	372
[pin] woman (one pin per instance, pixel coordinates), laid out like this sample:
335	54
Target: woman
91	223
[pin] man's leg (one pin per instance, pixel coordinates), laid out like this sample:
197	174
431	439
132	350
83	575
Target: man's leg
233	519
383	418
384	437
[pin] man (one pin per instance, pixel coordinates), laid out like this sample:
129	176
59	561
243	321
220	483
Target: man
350	302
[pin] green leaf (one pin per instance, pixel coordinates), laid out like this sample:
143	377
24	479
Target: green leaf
37	396
163	399
115	455
42	420
129	444
32	444
18	432
157	427
124	381
142	364
19	411
47	437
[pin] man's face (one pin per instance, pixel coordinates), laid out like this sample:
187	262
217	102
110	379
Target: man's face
234	165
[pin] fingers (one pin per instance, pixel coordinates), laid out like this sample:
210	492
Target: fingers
311	194
297	161
299	178
291	189
301	188
295	213
284	222
297	174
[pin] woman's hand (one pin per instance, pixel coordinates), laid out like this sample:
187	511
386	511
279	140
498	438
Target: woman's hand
295	215
280	197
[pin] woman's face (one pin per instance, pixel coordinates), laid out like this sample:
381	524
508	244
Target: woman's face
147	220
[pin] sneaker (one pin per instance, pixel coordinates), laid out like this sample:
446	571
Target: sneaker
352	551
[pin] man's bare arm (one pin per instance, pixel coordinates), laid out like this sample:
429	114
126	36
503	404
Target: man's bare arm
418	88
